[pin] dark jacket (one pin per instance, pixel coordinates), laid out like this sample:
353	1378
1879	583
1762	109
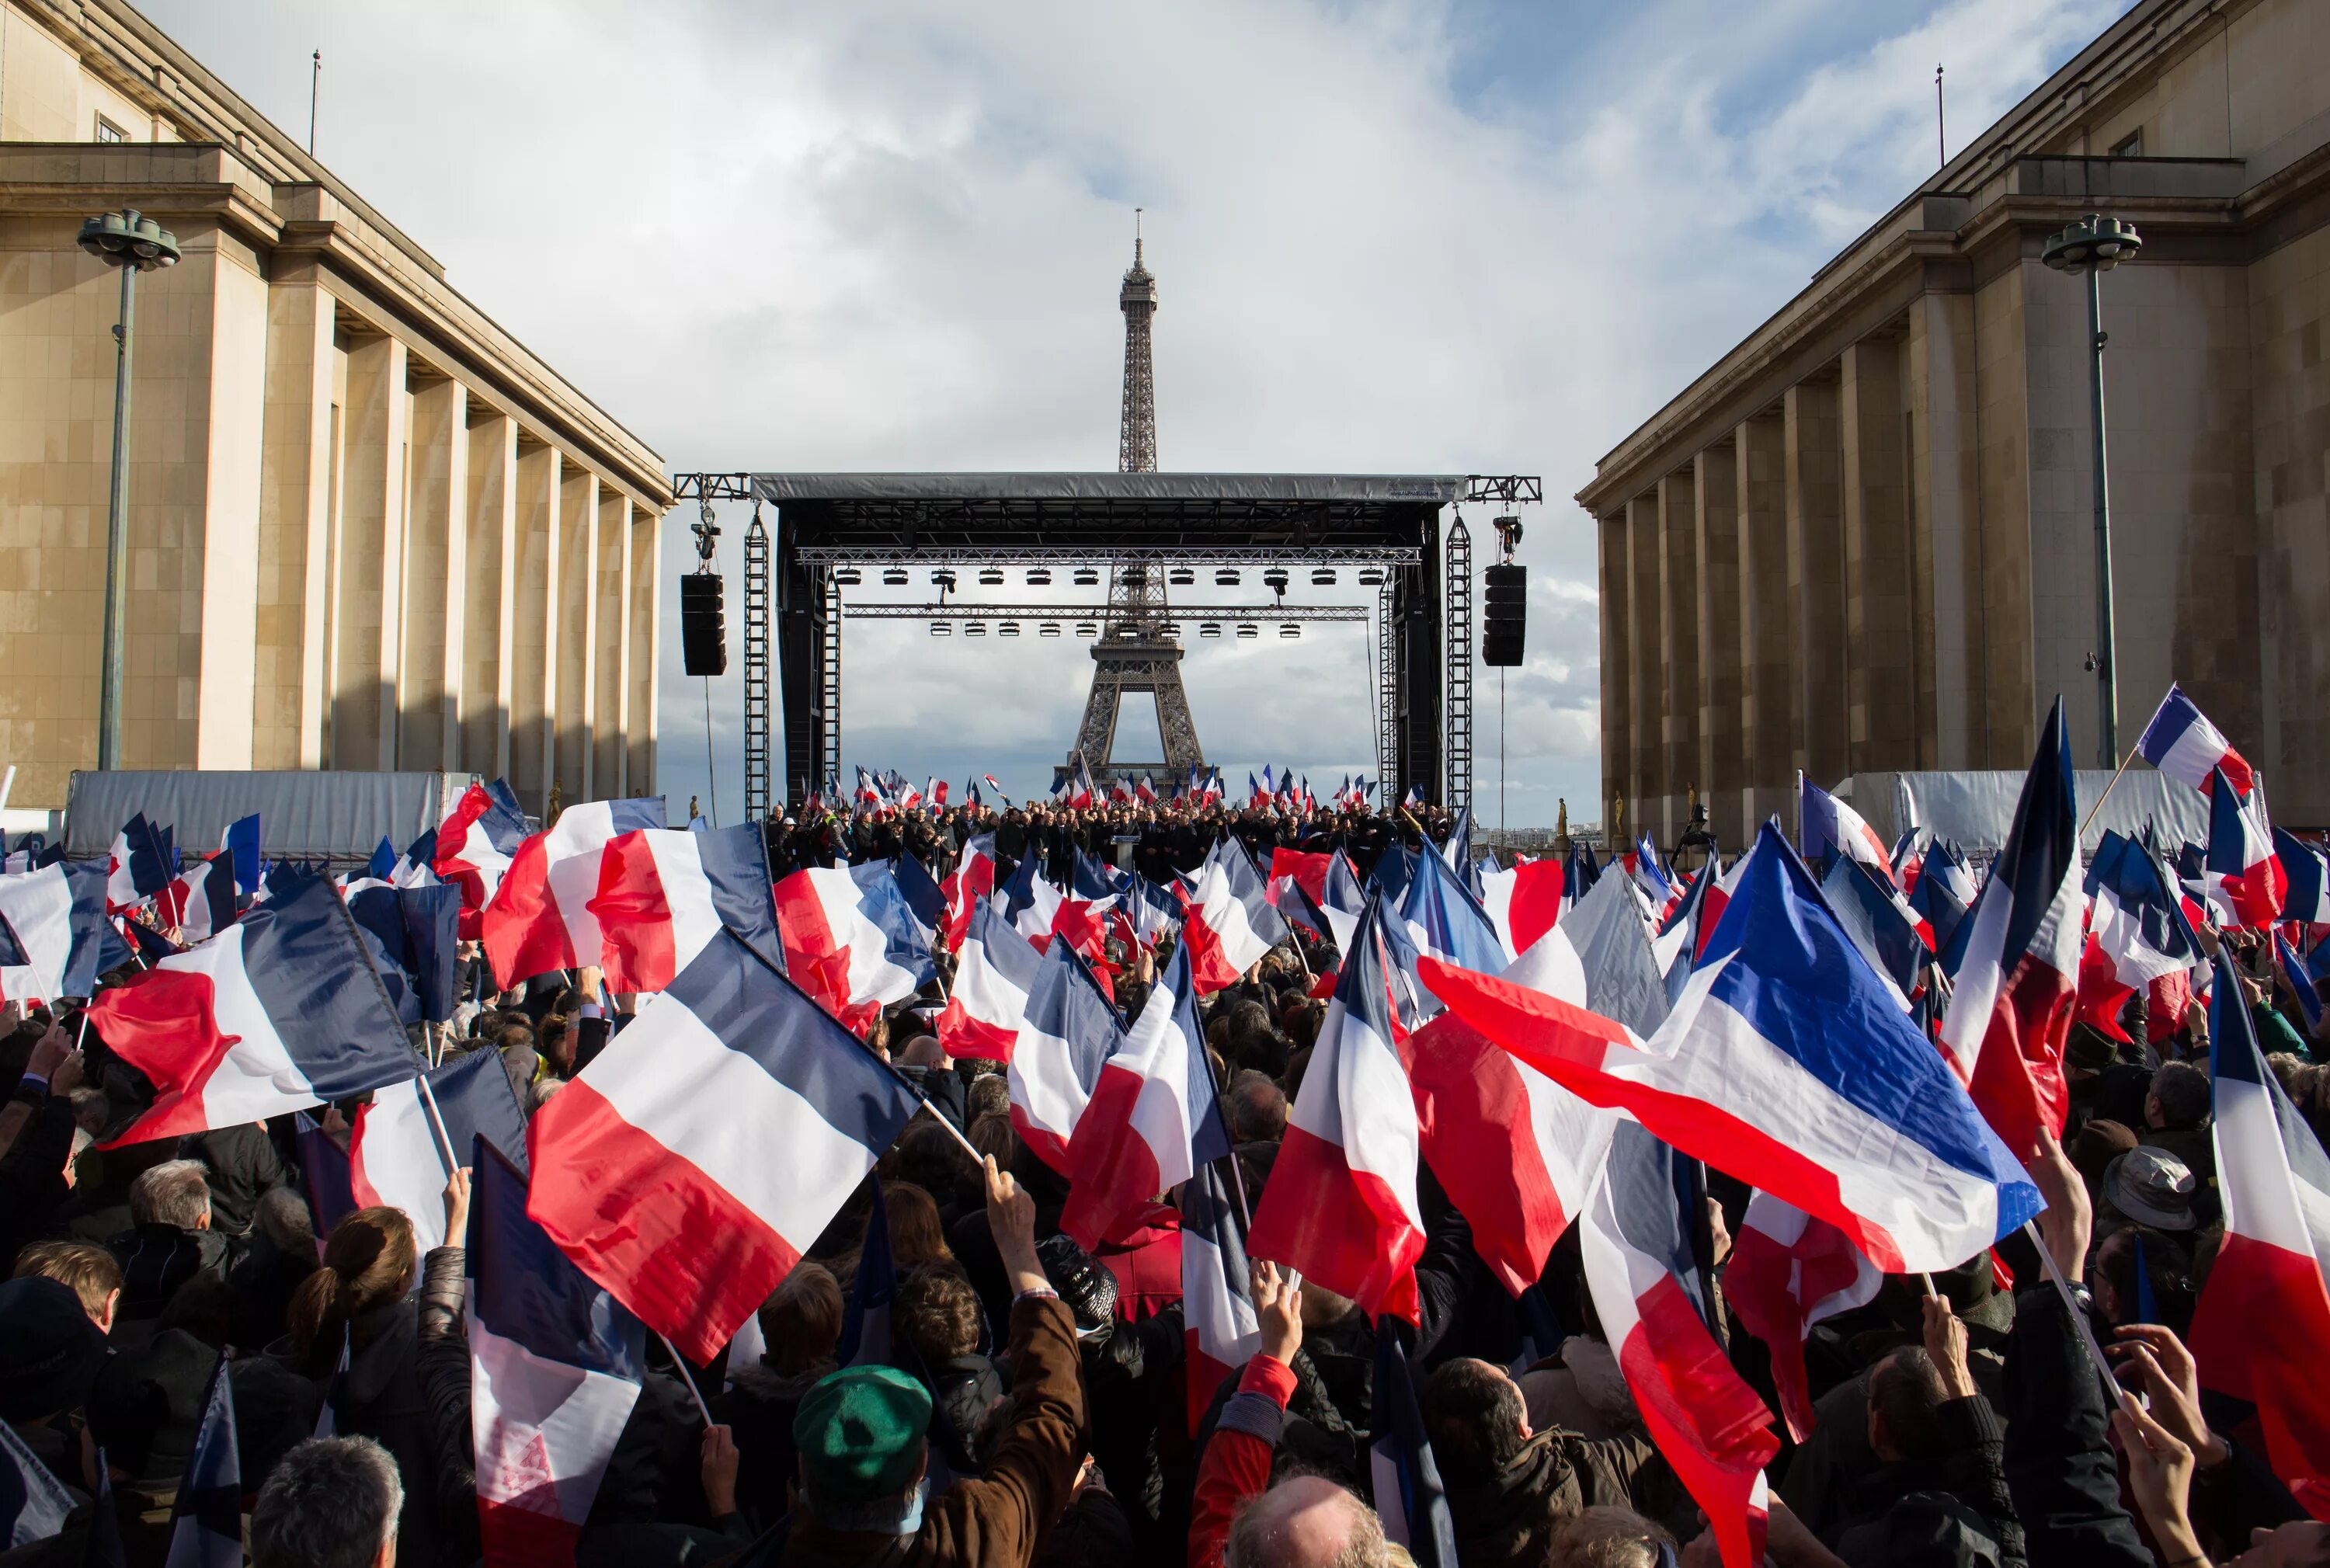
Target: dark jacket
1509	1519
2060	1468
440	1362
381	1398
156	1260
1957	1507
758	1411
243	1166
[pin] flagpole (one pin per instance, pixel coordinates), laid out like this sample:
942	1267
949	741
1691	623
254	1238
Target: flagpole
2098	805
2072	1307
687	1376
437	1124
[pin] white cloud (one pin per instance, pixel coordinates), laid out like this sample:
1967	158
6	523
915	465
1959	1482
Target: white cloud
887	235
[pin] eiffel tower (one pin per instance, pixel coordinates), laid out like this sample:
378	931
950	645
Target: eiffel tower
1136	650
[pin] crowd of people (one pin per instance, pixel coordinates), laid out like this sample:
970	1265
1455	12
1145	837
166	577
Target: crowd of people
1034	1404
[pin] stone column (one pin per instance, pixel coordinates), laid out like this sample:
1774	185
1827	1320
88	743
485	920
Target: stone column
429	706
1646	691
1679	650
370	556
1815	527
1767	643
576	667
295	493
535	623
234	441
1718	772
645	619
1617	672
490	557
1945	484
608	688
1881	656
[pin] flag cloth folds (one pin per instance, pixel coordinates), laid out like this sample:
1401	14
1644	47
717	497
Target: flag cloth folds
395	1159
834	947
2182	743
2018	980
2243	872
2137	938
202	901
1523	900
277	1012
1405	1478
476	842
1642	1269
1230	923
866	1316
661	896
57	915
1831	828
1220	1328
2305	876
1068	1030
33	1504
1787	1064
689	1166
1787	1273
137	867
2264	1315
994	970
1151	1120
206	1520
241	839
539	918
555	1366
1341	1206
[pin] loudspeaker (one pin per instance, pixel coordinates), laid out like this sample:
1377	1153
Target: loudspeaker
1504	614
703	628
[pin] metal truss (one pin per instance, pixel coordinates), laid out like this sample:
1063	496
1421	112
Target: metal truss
1052	555
1094	612
1389	705
1505	489
828	684
1456	720
757	707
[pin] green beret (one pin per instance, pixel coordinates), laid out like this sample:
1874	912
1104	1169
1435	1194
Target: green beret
861	1431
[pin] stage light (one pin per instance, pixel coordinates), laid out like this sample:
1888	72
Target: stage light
1227	576
1290	630
847	576
1322	577
1009	628
1247	628
1275	580
943	579
1210	628
1087	577
941	629
990	577
1039	577
1181	577
974	629
1371	576
895	576
1049	629
1087	628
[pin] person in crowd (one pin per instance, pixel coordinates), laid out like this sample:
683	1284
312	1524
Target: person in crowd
332	1502
170	1242
90	1273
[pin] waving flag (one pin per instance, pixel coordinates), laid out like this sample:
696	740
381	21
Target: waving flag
865	1317
206	1520
275	1013
1832	827
2264	1312
1341	1203
2307	876
661	896
539	918
1942	892
1219	1325
1788	1064
2137	937
241	839
201	901
475	843
58	916
1442	919
995	971
1409	1496
1341	900
1787	1273
2182	743
1643	863
395	1159
971	880
2243	872
1066	1031
836	946
416	867
1151	1120
1652	1301
1600	957
689	1166
1524	901
1881	924
2299	975
1305	869
555	1366
138	867
1031	901
1230	924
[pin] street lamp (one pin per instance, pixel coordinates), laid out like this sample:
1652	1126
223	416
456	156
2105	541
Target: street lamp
135	243
2095	245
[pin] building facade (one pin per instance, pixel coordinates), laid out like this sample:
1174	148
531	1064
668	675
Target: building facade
367	528
1865	539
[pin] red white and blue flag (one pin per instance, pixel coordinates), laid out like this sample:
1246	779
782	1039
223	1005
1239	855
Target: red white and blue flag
201	902
2299	977
1880	923
1341	1204
396	1155
837	948
1649	874
1231	924
1523	900
206	1520
2243	873
1831	828
1942	892
1151	1120
475	843
995	971
555	1366
137	867
663	894
278	1012
2305	876
971	880
1067	1032
2137	938
690	1165
2264	1315
539	918
1787	1273
1409	1497
58	916
1219	1325
1641	1265
2182	743
1787	1064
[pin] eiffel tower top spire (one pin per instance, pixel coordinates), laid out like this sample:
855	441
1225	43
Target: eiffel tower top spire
1136	442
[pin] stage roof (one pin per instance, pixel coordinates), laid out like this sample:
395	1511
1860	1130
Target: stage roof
1431	489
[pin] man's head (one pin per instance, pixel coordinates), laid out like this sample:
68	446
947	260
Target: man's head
922	1051
283	1217
1256	1107
860	1436
2304	1544
1904	1397
89	1271
1474	1416
173	1193
802	1320
936	1314
1308	1522
2179	1097
1608	1537
332	1503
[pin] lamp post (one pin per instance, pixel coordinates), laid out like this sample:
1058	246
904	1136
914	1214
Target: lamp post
2095	245
135	243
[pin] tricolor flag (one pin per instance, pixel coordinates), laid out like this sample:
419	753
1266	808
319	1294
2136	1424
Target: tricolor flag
1787	1064
1032	901
2298	975
556	1365
2264	1314
994	970
58	916
1653	1301
1405	1478
1523	900
475	843
241	838
1442	918
1219	1325
2137	936
277	1012
1068	1030
1643	863
973	879
200	903
206	1520
2182	743
1231	925
416	867
396	1155
1341	1204
1307	870
1151	1120
837	947
991	784
866	1316
2003	1032
689	1166
138	866
2243	872
1942	892
1831	828
1415	796
1787	1273
539	918
1880	923
661	896
2306	900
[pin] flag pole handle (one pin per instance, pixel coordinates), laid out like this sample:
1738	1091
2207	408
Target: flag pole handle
1927	1280
2071	1308
437	1126
2098	805
687	1376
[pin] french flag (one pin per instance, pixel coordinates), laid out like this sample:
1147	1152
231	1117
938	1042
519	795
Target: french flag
1880	923
1219	1325
865	1317
1304	869
138	866
241	839
2018	979
1341	1203
2264	1315
2298	975
2243	872
2137	936
58	916
396	1156
991	784
1406	1477
1067	1032
1151	1120
277	1012
539	918
417	867
1445	920
995	971
2306	874
1787	1064
1641	862
662	895
690	1165
1523	900
1231	924
1829	827
835	946
971	880
206	1521
1031	902
1787	1273
1642	1268
2181	743
1942	892
556	1365
200	903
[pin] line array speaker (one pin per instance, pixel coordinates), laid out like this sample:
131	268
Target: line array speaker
702	628
1504	614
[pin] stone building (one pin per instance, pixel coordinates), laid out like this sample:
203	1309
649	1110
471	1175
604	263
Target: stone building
1863	539
368	529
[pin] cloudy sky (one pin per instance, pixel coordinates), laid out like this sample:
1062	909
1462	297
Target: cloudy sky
1416	236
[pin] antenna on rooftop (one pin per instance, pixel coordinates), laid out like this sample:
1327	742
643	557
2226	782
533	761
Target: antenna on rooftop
315	79
1941	125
